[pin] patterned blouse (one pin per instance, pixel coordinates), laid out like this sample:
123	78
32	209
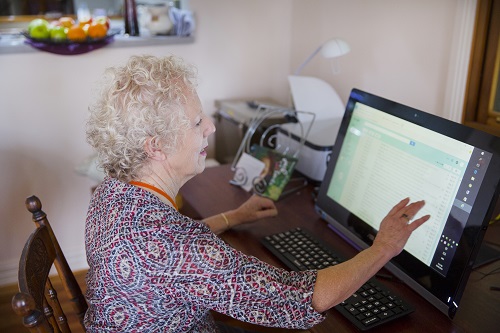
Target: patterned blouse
154	270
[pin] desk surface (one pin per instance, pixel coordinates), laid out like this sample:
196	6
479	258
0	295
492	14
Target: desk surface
210	193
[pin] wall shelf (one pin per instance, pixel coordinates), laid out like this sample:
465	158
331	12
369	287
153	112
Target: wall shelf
15	43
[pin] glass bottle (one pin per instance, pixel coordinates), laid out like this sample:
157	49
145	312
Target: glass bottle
130	16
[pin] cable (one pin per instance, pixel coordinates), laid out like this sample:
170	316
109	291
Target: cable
495	271
495	220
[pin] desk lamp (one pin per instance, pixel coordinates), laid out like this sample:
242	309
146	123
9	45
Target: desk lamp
331	49
313	94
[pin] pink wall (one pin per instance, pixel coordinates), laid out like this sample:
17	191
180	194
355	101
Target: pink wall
401	50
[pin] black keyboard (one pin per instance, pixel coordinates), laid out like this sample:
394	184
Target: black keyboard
371	305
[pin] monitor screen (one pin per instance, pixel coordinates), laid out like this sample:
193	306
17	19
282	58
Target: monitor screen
385	152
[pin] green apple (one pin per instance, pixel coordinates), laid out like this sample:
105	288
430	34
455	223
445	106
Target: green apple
58	33
39	29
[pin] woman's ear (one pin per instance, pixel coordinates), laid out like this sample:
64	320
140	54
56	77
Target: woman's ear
152	148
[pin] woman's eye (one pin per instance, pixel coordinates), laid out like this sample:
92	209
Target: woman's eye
199	122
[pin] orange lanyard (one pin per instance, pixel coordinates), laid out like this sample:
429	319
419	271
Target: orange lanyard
156	189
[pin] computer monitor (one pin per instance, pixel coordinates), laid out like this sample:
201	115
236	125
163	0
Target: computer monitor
385	152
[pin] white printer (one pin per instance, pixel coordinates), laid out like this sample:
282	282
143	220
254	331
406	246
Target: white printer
311	94
316	149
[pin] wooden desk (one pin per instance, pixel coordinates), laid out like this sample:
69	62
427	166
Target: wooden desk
210	193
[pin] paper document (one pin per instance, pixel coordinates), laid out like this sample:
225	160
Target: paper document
248	169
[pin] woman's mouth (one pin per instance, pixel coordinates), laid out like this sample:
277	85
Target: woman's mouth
204	151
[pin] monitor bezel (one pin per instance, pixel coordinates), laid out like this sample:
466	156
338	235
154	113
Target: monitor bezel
445	292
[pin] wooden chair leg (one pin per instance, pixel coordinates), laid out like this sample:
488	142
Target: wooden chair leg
48	312
58	314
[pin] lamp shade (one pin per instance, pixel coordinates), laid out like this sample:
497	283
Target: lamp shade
331	49
335	48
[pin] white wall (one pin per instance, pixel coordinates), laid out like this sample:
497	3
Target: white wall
243	49
44	99
400	49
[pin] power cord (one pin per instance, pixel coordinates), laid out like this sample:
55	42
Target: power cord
495	220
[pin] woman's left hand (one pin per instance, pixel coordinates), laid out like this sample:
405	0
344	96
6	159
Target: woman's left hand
255	208
251	210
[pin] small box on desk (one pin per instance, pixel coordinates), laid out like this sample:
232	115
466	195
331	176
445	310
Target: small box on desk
314	155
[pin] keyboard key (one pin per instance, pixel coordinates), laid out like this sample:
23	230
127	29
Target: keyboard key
370	321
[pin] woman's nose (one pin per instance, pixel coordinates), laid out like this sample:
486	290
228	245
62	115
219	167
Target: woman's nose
210	127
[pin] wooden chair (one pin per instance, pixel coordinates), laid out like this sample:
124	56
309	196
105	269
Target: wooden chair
37	302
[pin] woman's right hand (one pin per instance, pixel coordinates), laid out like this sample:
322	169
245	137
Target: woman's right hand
334	284
397	226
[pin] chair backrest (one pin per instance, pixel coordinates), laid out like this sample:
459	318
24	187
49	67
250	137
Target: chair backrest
37	301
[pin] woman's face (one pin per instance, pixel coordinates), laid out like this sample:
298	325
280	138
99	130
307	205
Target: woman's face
189	159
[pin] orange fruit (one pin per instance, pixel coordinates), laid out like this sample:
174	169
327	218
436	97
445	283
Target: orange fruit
102	20
76	33
97	30
85	21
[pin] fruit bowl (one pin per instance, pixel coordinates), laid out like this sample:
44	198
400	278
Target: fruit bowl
68	47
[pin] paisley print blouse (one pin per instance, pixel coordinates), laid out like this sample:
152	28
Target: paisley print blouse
154	270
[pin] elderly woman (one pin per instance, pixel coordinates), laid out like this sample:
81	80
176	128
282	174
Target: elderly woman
153	269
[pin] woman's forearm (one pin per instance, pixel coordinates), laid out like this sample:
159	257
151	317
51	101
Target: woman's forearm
336	283
221	222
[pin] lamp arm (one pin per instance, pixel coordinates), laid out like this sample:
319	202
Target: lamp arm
297	72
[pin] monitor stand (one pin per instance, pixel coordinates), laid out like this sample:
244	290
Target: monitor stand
487	254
